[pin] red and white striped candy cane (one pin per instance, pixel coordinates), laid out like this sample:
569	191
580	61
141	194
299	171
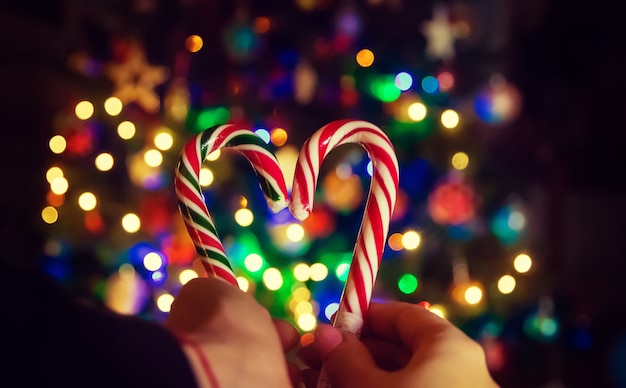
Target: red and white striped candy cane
198	220
381	200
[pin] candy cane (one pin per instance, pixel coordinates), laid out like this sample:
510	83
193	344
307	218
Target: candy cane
198	220
381	200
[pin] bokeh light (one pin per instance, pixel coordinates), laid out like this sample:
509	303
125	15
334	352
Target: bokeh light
417	111
273	279
319	272
460	161
131	223
49	215
411	240
244	217
450	118
365	58
194	43
253	262
407	283
302	272
403	81
186	275
104	161
113	106
87	201
473	295
506	284
57	144
84	110
126	130
522	263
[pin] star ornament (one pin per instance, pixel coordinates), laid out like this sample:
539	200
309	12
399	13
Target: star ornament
135	79
440	34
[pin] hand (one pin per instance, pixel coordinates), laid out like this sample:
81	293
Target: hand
242	344
402	345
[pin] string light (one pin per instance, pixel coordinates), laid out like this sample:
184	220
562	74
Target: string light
450	119
131	223
84	110
113	106
244	217
87	201
49	215
273	279
365	58
522	263
104	161
57	144
253	262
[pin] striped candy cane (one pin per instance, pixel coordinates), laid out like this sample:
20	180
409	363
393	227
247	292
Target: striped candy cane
198	220
380	203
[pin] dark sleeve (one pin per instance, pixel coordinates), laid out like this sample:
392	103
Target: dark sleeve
53	340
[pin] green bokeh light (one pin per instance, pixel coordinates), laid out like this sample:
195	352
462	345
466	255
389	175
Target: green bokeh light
407	283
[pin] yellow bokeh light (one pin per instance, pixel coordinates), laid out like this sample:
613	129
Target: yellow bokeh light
438	310
295	232
303	307
53	173
411	240
152	261
506	284
460	161
253	262
164	302
244	217
450	119
113	106
319	272
243	283
186	275
49	215
126	130
213	156
365	58
153	158
301	293
84	110
417	111
522	263
57	144
163	141
273	279
473	295
302	272
104	161
206	177
194	43
131	223
278	137
87	201
307	322
59	185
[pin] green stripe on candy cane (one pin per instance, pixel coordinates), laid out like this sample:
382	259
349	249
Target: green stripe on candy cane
196	215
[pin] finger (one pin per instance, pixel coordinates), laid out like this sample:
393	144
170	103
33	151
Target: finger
404	323
346	360
287	334
197	301
387	355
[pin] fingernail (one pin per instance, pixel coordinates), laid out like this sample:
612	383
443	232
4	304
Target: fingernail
327	338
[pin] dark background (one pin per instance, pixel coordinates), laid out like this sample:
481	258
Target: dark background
567	58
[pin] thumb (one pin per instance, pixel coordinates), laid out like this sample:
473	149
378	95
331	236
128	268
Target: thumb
347	362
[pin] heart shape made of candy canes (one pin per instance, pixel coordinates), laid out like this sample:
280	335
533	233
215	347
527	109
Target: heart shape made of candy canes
374	228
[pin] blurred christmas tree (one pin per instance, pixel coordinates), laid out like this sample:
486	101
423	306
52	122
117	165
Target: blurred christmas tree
435	82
